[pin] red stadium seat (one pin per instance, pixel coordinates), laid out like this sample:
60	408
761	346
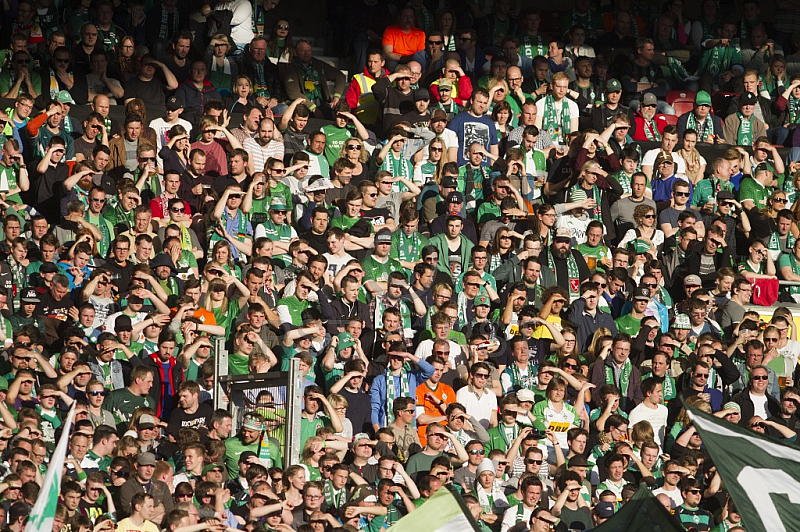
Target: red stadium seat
672	120
683	106
673	96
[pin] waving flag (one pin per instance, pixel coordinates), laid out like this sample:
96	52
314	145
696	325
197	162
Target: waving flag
443	512
44	511
761	474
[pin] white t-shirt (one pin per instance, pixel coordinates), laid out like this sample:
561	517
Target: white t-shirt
649	159
450	139
657	418
455	358
760	405
479	407
675	495
337	263
574	112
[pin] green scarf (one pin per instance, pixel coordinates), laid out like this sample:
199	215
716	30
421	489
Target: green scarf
392	393
717	60
550	119
597	212
518	381
572	271
707	133
745	135
651	130
794	110
241	231
105	242
334	498
399	167
624	181
531	50
624	377
263	450
774	242
311	81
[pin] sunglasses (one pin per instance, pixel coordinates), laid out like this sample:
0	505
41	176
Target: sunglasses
682	194
760	377
97	393
476	452
531	461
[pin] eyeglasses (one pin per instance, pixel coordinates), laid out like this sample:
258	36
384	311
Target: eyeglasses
760	377
476	452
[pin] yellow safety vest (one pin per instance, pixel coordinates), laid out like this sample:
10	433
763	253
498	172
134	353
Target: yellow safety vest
367	110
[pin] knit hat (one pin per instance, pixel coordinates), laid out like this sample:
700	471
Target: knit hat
485	465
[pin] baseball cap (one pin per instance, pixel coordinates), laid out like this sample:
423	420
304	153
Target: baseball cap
146	459
445	84
438	115
48	267
748	98
702	98
363	493
421	94
318	183
482	300
174	103
649	99
613	85
29	295
604	510
345	340
524	394
3	384
662	157
384	236
641	292
65	97
358	437
211	467
681	322
692	280
277	204
563	233
146	422
123	323
455	197
449	182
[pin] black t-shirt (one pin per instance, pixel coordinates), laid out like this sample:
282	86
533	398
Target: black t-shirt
50	308
179	419
358	410
318	242
376	216
150	92
48	192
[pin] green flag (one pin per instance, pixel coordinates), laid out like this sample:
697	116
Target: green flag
44	510
443	512
643	513
761	474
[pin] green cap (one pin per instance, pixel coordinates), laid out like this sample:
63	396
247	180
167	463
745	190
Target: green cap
211	466
639	246
65	97
482	299
613	85
345	340
702	98
3	383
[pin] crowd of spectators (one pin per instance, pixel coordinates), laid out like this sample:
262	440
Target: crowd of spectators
504	251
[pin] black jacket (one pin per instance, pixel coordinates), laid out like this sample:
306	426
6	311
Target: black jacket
748	409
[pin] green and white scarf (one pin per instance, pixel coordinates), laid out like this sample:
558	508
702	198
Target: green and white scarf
518	381
794	110
624	376
774	242
399	167
624	181
550	122
706	127
744	137
263	450
334	498
409	248
105	241
651	130
392	393
572	271
597	212
531	50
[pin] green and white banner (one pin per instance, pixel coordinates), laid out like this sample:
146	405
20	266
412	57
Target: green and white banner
44	510
761	474
643	513
443	512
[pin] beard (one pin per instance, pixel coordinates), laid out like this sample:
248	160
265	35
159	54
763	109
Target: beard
557	253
